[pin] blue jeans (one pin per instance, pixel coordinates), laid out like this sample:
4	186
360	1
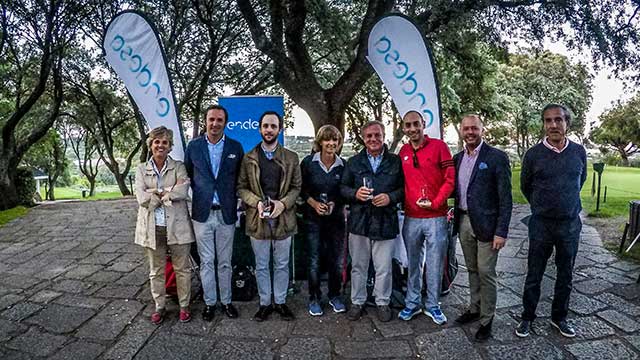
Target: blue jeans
425	237
326	241
262	252
214	237
544	236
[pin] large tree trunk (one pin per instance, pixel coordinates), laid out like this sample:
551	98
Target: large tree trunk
8	189
293	66
92	186
50	191
121	179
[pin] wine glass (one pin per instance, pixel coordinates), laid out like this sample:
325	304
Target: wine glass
367	182
324	199
266	207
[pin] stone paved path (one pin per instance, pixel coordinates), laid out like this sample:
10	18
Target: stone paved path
74	286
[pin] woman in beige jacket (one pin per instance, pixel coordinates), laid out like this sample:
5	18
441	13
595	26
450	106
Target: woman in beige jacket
162	186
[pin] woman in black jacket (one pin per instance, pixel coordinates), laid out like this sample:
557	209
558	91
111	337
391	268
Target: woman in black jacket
324	216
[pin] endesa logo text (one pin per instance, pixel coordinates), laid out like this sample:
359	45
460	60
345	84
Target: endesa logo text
401	72
243	125
144	77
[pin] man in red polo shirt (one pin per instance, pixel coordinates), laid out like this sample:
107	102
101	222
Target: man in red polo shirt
429	180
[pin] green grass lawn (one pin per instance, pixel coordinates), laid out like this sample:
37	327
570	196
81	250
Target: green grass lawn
623	185
8	215
66	193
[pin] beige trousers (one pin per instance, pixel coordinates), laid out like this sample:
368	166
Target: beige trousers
157	262
481	260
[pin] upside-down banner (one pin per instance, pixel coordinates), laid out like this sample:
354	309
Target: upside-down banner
400	56
133	49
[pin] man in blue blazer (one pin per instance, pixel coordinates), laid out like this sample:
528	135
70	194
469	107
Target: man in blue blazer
482	213
213	163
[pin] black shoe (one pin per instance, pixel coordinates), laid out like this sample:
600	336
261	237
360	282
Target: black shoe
522	330
356	312
208	313
285	313
467	317
263	313
230	311
565	329
384	313
484	332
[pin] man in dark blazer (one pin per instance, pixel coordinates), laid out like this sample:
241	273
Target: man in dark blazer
482	213
213	162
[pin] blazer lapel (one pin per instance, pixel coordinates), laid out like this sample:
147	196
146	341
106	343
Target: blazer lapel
481	156
366	162
225	153
458	158
205	153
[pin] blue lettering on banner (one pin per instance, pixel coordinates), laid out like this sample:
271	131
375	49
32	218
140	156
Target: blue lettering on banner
144	75
401	71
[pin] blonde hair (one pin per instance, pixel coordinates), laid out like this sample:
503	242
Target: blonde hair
160	132
327	132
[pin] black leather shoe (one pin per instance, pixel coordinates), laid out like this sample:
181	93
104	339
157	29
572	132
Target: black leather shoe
467	317
263	313
285	313
208	313
230	311
484	332
356	312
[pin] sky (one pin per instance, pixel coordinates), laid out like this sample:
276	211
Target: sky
606	90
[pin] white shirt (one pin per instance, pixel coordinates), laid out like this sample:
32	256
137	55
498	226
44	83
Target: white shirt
338	162
548	145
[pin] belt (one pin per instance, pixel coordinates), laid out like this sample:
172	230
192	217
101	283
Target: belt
463	212
215	207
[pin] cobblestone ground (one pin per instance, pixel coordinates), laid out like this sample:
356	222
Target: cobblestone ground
74	286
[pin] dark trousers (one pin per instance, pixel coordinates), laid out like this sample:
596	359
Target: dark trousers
545	235
325	241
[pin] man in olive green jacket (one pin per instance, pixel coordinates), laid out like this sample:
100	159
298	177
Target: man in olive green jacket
268	184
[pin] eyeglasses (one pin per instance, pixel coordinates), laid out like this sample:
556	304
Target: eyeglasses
416	164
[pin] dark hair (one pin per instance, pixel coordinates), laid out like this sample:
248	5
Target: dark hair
216	107
280	120
413	112
565	111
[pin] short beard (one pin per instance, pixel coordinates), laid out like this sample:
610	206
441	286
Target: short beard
275	138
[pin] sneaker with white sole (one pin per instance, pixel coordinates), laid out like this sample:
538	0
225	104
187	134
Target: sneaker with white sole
523	328
565	329
315	309
407	314
337	305
436	315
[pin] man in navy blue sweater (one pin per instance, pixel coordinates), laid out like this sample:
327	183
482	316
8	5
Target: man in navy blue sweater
552	175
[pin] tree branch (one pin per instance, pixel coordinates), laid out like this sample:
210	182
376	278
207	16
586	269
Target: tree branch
359	71
40	87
